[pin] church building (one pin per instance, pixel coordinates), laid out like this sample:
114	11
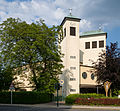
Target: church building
79	51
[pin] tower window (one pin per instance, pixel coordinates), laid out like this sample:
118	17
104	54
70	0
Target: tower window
72	79
72	31
72	57
94	44
64	32
72	90
87	45
101	44
72	68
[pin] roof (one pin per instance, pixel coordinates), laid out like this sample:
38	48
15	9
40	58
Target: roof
89	33
70	18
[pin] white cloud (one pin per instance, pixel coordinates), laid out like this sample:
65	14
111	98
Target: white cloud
92	12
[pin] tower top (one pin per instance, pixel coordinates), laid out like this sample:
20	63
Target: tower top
70	18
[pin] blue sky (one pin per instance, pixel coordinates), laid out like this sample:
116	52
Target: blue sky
93	13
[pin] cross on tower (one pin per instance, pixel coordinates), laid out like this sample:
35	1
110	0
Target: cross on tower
70	11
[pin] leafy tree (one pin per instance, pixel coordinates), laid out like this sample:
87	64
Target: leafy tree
107	68
6	78
32	45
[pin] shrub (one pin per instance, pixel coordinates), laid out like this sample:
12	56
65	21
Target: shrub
97	101
25	97
70	99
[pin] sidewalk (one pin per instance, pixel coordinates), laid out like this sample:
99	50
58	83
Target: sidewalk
63	106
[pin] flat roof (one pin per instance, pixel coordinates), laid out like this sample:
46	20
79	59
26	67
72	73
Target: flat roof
70	18
93	33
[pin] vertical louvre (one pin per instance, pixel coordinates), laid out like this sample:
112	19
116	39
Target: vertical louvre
72	31
64	32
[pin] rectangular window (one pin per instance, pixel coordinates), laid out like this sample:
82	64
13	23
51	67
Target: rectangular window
101	44
87	45
72	68
72	31
72	90
72	57
94	44
72	79
64	32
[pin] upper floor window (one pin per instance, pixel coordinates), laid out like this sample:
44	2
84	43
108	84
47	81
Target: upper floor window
101	44
64	32
87	45
94	44
72	31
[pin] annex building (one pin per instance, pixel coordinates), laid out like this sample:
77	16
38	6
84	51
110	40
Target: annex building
79	52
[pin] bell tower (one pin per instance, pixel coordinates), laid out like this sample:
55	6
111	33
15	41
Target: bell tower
70	48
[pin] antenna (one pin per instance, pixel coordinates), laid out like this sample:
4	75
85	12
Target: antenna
70	11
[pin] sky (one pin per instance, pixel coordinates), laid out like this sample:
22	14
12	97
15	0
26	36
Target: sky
93	13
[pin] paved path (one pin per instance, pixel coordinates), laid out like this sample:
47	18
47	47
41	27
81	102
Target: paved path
52	107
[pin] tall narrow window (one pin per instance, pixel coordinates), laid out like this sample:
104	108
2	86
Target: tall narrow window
87	45
101	44
94	44
72	31
64	32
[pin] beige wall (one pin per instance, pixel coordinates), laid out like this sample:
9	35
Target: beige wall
88	80
92	53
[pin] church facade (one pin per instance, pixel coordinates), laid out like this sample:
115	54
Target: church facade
79	52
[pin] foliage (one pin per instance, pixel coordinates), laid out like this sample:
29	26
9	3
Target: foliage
97	101
25	97
6	78
70	99
34	46
107	68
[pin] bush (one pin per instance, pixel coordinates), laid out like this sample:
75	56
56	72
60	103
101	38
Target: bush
25	97
70	99
97	101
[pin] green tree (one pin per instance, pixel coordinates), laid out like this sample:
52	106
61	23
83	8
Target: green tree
6	78
107	68
33	45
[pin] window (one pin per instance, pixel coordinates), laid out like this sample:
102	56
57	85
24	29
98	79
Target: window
72	90
72	57
84	75
72	79
101	44
72	68
72	31
64	32
92	76
94	44
87	45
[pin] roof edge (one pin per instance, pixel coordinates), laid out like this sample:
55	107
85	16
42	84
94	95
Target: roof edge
70	18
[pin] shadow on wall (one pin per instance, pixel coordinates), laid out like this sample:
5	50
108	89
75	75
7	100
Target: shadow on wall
67	74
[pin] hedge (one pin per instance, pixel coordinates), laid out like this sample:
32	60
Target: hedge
25	97
97	101
70	99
